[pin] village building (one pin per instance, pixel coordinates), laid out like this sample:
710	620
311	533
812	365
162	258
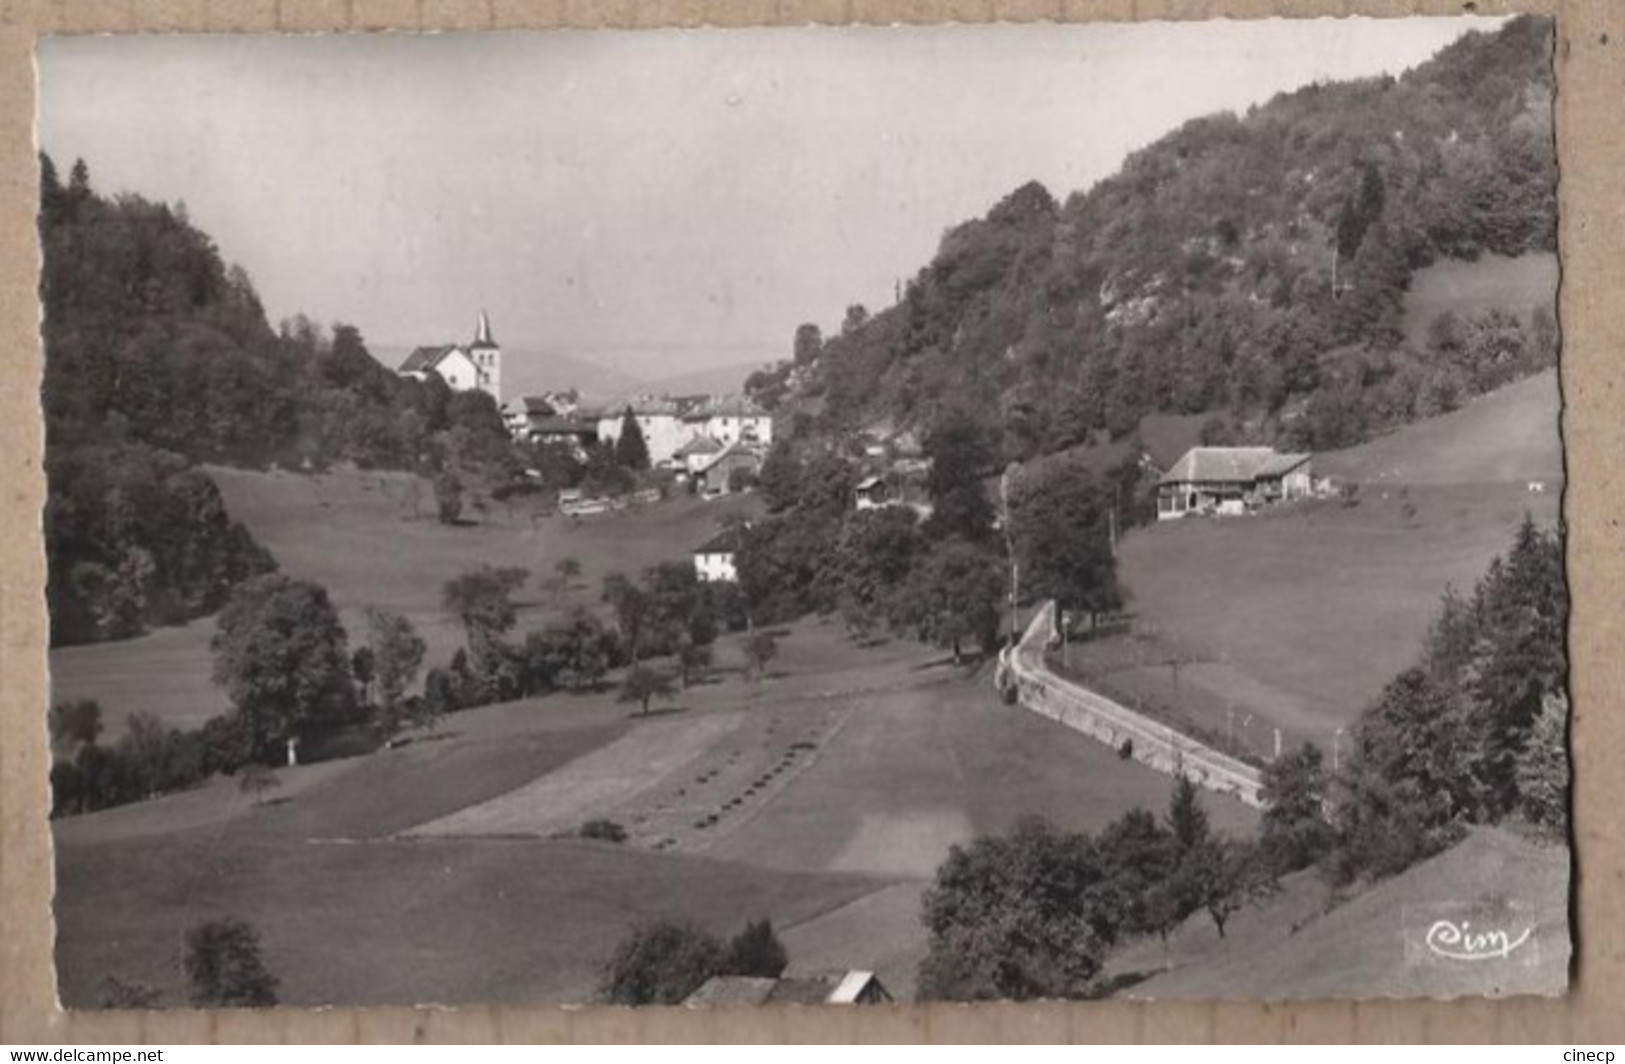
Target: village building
725	469
660	419
871	493
669	424
729	419
697	453
828	988
1230	481
576	433
477	365
715	560
521	415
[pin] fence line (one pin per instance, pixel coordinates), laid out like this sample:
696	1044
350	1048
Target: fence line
1150	742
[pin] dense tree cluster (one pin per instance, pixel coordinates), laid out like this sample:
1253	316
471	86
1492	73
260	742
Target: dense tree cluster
662	963
1252	265
949	578
669	612
1476	731
158	356
1031	914
136	536
940	580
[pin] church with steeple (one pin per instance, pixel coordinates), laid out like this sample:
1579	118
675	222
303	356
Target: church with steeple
476	365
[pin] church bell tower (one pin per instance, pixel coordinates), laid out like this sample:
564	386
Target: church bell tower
487	358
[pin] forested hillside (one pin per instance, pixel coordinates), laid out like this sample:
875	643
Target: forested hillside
1252	267
157	356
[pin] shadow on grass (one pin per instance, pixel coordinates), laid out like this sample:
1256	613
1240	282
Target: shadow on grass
662	711
411	740
1119	982
966	661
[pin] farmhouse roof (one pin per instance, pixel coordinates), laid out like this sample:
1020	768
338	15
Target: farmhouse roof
868	483
561	426
642	406
427	358
852	986
1231	465
1282	464
723	406
699	445
728	541
732	990
533	405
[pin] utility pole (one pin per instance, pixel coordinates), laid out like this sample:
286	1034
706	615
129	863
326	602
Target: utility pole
1010	553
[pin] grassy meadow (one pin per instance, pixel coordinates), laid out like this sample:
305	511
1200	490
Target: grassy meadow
370	538
357	903
1295	618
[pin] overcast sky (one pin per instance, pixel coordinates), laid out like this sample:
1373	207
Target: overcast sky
658	201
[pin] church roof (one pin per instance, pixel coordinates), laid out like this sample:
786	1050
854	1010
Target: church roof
427	358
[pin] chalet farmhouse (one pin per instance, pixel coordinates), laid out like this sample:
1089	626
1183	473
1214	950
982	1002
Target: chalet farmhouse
1228	481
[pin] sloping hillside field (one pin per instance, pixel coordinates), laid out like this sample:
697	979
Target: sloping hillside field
371	539
1395	939
822	797
1296	618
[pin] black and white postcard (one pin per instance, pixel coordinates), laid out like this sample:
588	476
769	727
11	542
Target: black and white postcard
818	515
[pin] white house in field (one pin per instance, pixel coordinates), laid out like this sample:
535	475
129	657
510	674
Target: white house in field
715	560
462	367
1230	481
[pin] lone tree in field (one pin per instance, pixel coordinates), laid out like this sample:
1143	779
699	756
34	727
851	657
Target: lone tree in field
448	498
952	597
961	454
1020	916
567	570
660	964
75	725
224	968
279	652
364	668
397	654
1061	528
642	684
256	779
693	662
1295	833
760	649
756	951
482	601
631	449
